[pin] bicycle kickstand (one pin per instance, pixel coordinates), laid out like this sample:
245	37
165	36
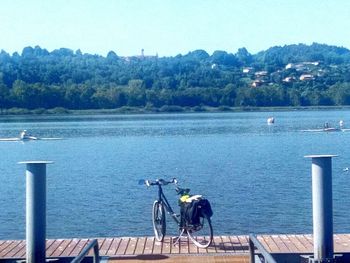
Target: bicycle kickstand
177	239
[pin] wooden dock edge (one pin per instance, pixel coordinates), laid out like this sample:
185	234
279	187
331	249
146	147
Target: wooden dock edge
135	248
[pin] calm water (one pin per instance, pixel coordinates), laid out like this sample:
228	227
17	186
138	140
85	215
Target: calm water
255	175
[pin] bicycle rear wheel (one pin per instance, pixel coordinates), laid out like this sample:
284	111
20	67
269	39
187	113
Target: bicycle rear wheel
158	219
202	234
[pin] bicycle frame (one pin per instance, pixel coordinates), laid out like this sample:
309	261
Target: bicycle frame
167	206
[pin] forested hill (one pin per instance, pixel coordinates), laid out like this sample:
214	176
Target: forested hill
292	75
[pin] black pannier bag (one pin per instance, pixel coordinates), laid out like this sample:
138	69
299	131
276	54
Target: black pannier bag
191	212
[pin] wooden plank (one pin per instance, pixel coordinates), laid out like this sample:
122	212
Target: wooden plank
280	243
49	243
341	243
4	246
123	245
236	244
22	253
131	246
61	248
8	247
244	243
166	245
4	243
101	242
16	250
218	241
140	245
175	248
299	246
214	244
303	240
344	237
288	243
112	251
51	249
309	240
184	245
227	245
202	250
269	244
105	246
149	245
157	247
79	247
68	251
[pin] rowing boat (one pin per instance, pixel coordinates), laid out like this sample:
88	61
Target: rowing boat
15	139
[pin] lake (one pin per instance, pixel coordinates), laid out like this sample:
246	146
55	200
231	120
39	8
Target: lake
255	175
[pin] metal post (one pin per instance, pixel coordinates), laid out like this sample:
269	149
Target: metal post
322	207
35	210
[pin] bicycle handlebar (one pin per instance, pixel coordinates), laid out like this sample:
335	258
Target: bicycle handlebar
161	182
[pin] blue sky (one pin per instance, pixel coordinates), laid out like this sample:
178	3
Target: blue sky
171	27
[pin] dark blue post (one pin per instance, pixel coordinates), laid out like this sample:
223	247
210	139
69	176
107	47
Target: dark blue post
322	207
36	210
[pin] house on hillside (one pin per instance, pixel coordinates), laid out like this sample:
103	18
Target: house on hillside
306	77
247	70
261	74
289	79
302	66
257	83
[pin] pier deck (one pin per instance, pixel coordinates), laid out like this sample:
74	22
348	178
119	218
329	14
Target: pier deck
142	248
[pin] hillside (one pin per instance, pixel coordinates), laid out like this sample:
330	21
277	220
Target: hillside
292	75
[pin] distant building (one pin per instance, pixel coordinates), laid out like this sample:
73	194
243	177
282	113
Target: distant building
302	65
257	83
248	70
289	66
260	74
289	79
306	77
141	56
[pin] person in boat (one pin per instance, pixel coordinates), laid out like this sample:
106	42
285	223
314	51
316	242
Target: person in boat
326	125
25	136
271	120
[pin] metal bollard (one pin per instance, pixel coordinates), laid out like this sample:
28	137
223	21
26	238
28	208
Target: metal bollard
36	210
322	207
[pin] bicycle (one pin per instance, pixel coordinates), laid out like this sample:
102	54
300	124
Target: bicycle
201	233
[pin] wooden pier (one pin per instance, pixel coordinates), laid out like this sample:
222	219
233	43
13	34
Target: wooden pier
223	249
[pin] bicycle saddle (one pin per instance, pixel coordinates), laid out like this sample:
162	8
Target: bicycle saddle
182	191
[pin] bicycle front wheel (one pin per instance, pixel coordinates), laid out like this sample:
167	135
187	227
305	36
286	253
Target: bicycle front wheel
158	218
202	234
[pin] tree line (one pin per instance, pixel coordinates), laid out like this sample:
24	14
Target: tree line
70	79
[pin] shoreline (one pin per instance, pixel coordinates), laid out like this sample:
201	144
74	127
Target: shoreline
165	109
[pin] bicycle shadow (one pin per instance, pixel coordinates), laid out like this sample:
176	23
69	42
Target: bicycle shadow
229	246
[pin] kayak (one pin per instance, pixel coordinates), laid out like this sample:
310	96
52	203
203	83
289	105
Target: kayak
27	139
326	130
